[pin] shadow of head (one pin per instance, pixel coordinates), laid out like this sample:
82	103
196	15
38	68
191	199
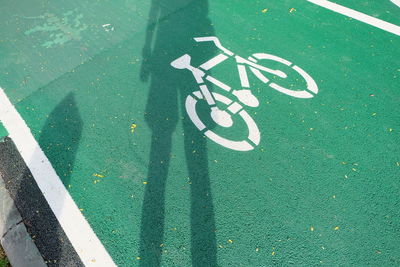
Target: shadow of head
60	136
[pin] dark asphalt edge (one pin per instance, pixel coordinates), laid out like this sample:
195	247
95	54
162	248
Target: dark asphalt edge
30	233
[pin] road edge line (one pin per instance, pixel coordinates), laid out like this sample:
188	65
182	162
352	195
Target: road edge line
378	23
396	2
82	237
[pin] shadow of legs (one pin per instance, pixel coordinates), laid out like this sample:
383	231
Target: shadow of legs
153	211
203	240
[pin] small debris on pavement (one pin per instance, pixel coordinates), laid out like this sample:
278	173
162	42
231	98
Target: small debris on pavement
108	27
133	127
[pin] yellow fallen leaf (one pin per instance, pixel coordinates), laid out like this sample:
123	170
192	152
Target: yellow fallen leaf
133	127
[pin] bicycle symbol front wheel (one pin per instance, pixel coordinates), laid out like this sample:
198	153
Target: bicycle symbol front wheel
253	138
311	89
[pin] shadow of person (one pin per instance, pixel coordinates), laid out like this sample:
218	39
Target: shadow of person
59	139
171	28
61	146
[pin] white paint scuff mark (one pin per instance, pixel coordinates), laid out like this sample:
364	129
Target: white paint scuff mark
378	23
87	245
60	29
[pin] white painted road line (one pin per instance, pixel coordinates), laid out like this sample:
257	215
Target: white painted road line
381	24
396	2
75	226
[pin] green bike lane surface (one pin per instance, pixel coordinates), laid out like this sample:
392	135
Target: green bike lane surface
3	131
321	188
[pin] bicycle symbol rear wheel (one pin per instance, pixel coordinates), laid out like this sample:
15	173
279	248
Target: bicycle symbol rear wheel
253	138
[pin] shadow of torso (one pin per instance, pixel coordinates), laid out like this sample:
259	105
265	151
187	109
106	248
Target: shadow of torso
172	27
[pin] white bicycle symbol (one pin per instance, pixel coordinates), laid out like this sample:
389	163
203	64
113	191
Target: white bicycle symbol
224	117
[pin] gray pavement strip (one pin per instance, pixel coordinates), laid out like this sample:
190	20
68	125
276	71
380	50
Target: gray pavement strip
14	237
